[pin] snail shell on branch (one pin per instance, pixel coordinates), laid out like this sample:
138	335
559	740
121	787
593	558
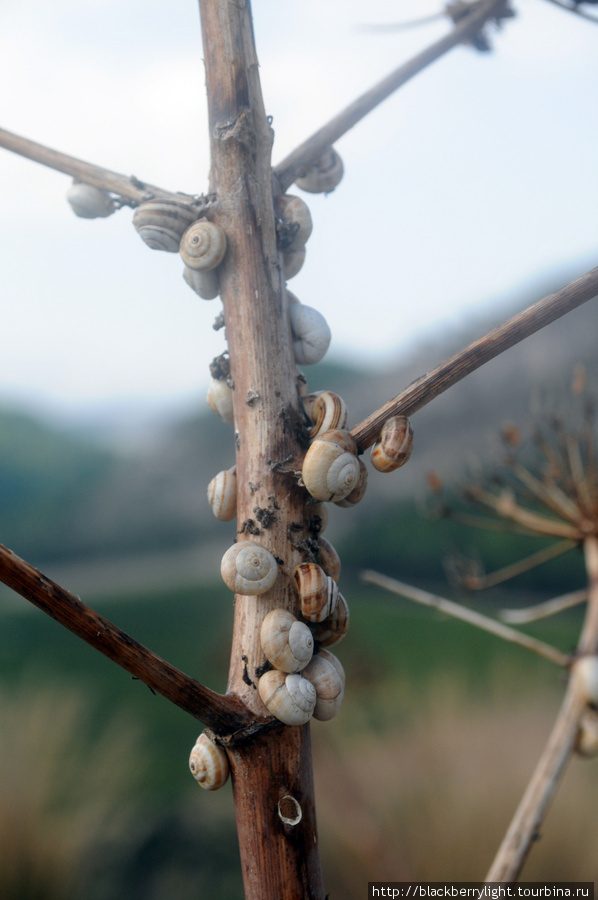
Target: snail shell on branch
323	175
334	628
395	445
203	281
585	670
203	245
358	491
326	410
208	763
162	223
222	494
287	643
291	698
292	261
329	684
88	201
331	469
297	224
220	399
586	743
317	592
248	569
329	559
311	334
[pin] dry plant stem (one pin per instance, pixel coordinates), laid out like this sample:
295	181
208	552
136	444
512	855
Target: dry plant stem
524	324
543	610
466	615
286	171
552	495
481	582
534	522
222	713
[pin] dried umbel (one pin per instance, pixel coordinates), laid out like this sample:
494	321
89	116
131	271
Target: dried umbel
162	223
203	245
318	593
394	446
326	410
203	281
287	643
88	201
326	674
222	494
296	222
291	698
220	399
311	334
334	628
329	559
358	491
323	175
208	763
331	469
249	569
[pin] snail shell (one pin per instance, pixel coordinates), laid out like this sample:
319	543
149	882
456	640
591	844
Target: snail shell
222	494
291	698
203	245
585	670
162	223
317	514
586	743
334	628
248	569
287	643
395	445
311	334
88	201
318	593
358	491
203	281
292	261
329	559
328	683
323	175
326	410
297	223
331	469
220	399
208	763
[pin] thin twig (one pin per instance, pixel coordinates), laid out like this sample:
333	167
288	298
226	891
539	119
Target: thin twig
481	582
550	494
545	609
575	10
505	505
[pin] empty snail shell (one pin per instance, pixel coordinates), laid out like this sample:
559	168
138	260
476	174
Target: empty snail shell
161	223
585	670
311	334
334	628
292	261
287	643
88	201
208	763
203	245
328	682
358	491
395	445
331	469
326	410
296	222
323	175
222	494
317	592
291	698
329	559
586	743
220	399
203	281
249	569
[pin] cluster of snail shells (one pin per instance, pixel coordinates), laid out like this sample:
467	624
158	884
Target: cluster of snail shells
208	763
88	201
322	175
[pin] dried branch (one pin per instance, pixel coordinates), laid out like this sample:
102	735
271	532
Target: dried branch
550	494
524	324
545	609
481	582
506	506
576	11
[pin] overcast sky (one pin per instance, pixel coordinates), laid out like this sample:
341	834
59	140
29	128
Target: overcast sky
478	176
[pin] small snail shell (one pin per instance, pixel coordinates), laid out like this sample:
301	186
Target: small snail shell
88	201
326	410
162	223
203	245
331	469
358	491
323	175
248	569
585	670
329	685
203	281
297	222
586	743
287	643
222	494
220	399
329	559
311	334
334	628
395	445
208	763
292	261
291	698
318	593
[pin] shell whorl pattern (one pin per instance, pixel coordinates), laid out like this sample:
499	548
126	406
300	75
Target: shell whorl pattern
331	469
311	334
88	201
326	410
395	445
203	281
317	592
161	223
203	245
328	680
208	763
358	491
323	175
220	399
334	628
248	569
287	643
297	223
329	559
222	494
291	698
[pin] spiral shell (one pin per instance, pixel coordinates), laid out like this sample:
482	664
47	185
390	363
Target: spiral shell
323	175
287	643
203	245
358	491
203	281
208	763
329	559
331	469
395	445
585	671
220	399
296	222
222	494
317	592
326	410
248	569
291	698
88	201
334	628
161	223
328	679
311	334
292	261
586	743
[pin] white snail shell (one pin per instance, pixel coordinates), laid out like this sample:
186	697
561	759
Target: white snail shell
334	628
296	217
329	559
323	175
586	743
203	245
208	763
358	491
161	223
311	334
291	698
220	399
287	643
203	281
222	494
329	683
395	445
292	261
585	670
88	201
326	410
331	469
248	569
317	592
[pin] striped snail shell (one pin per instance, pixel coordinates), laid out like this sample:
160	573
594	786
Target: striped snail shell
220	399
311	334
358	491
323	175
292	262
88	201
329	559
297	224
203	281
394	446
326	674
291	698
317	592
203	245
161	223
326	410
222	494
287	643
248	569
586	743
331	469
334	628
208	763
